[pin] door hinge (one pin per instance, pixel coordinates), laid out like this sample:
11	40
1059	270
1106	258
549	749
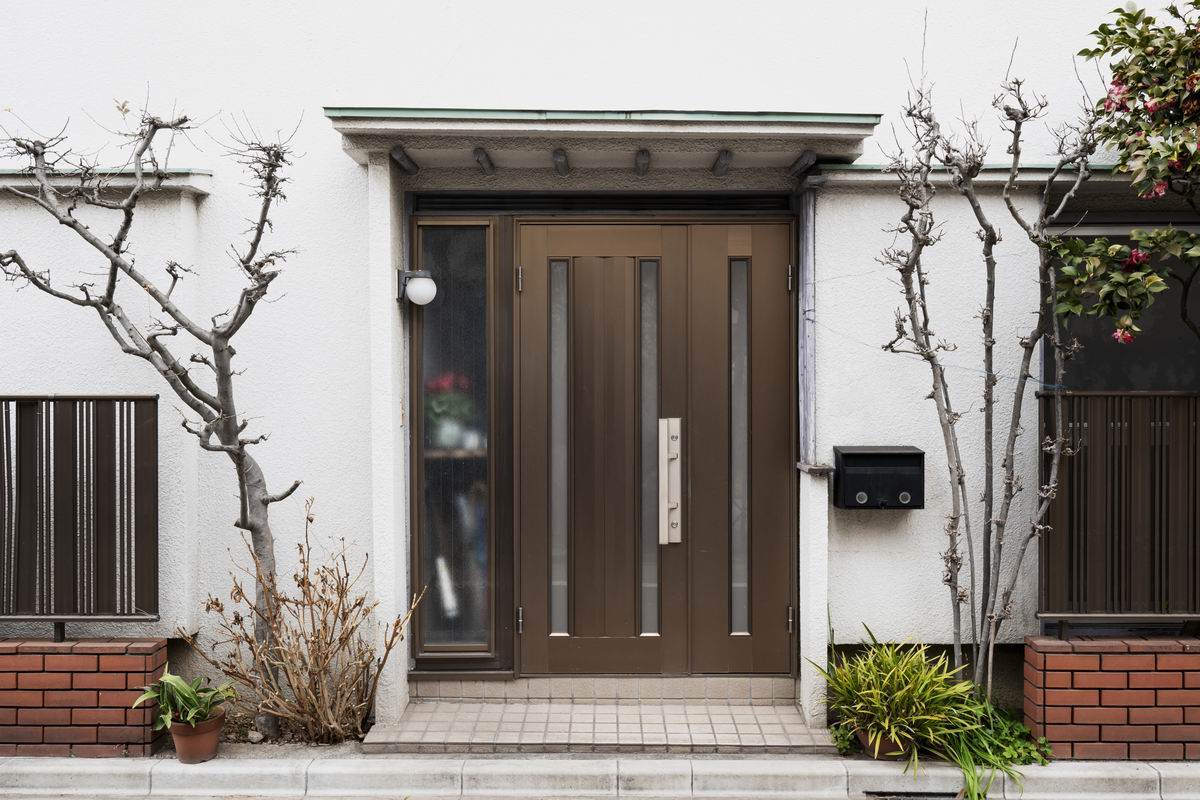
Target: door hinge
520	619
791	619
789	277
520	279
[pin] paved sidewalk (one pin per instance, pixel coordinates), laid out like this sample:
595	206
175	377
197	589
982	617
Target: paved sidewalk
335	773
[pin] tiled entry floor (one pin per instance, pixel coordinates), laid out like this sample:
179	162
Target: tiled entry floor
468	726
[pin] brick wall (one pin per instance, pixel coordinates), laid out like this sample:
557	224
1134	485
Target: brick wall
1114	698
73	698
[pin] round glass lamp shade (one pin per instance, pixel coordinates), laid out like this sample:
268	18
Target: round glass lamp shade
420	291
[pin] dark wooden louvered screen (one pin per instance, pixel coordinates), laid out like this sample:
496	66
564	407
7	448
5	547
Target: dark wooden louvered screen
78	507
1125	538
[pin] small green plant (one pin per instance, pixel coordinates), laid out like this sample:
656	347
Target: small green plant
180	701
999	743
843	738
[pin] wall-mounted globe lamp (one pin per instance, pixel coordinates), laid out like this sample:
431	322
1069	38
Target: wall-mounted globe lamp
417	286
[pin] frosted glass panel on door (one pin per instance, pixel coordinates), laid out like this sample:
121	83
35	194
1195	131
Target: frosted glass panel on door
559	448
454	541
739	445
648	442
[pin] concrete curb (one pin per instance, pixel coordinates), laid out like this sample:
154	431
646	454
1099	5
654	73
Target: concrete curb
551	777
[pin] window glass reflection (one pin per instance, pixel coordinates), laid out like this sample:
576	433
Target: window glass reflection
454	541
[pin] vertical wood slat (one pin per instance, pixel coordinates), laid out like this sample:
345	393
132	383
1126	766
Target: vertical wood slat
706	432
586	364
78	506
27	472
1125	521
7	512
64	502
603	430
104	462
145	502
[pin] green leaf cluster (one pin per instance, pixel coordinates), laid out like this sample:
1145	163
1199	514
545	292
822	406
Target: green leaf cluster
906	701
1151	115
182	701
448	405
1101	278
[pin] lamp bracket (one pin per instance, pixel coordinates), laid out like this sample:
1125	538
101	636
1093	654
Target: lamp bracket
403	276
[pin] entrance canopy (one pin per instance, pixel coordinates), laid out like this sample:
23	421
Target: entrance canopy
741	147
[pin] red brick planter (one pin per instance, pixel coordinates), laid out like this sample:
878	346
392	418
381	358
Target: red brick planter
1101	698
73	698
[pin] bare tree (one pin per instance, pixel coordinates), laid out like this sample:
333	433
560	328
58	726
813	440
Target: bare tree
62	183
990	593
915	335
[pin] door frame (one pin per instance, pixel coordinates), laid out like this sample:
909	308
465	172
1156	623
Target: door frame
513	458
504	659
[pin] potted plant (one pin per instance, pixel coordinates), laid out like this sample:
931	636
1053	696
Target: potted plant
191	712
449	411
898	699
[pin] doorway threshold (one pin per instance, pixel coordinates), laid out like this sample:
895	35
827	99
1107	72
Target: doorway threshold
598	726
628	689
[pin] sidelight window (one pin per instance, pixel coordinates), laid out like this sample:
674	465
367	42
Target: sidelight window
739	445
559	447
453	537
648	441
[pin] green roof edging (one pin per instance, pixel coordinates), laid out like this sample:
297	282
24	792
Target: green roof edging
524	115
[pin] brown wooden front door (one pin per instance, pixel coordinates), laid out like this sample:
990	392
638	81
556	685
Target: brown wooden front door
655	499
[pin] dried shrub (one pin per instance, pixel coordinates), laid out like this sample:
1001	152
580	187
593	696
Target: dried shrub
318	671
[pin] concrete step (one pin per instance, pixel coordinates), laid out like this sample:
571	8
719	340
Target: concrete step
384	740
552	778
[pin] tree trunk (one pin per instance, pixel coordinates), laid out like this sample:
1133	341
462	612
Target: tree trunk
253	517
255	514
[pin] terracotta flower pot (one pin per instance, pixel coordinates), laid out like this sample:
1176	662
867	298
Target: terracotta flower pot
199	744
888	750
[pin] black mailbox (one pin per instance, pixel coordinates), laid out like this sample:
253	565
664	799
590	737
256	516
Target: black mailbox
878	477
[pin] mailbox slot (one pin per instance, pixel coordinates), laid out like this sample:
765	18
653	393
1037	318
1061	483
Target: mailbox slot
878	477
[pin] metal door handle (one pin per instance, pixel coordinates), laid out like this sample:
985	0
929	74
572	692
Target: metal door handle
670	481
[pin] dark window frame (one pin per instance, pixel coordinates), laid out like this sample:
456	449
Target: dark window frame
496	654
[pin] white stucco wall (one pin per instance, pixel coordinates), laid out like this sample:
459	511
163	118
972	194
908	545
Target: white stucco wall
318	374
885	566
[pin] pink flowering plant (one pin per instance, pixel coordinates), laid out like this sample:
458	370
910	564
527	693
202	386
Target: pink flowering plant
1102	278
447	396
1150	117
1151	114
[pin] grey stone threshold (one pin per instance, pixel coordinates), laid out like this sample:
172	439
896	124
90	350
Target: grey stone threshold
578	778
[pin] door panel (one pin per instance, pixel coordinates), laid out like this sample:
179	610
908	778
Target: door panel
593	622
771	487
604	434
598	593
707	433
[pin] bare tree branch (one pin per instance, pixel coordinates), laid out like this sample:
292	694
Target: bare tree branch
217	428
963	158
914	332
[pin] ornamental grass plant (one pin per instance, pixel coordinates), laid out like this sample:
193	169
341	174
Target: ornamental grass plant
903	701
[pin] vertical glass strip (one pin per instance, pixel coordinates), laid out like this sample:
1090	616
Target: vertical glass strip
648	435
454	544
559	447
739	445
